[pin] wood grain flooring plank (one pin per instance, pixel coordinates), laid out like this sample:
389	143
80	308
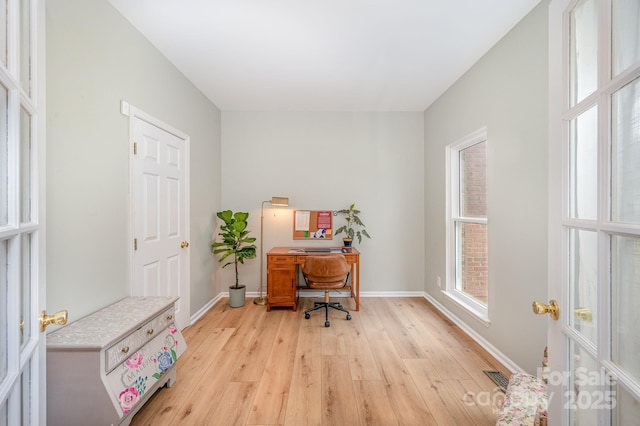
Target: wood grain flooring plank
466	402
443	405
332	337
270	403
448	367
235	405
255	357
197	333
248	325
399	330
488	401
338	396
305	393
207	393
370	321
474	365
408	405
362	363
229	317
373	404
441	327
390	364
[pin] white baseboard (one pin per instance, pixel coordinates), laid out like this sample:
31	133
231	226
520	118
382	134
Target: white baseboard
391	294
195	317
486	345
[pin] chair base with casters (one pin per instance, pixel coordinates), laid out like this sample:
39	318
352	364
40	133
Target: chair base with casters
326	305
327	272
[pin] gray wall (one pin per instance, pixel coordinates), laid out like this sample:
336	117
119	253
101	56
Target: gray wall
95	58
506	91
326	161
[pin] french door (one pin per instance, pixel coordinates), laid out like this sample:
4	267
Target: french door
594	217
22	345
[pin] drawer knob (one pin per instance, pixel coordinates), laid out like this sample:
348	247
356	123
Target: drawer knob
125	350
169	317
150	331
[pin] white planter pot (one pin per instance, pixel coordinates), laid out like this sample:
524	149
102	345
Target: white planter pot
237	296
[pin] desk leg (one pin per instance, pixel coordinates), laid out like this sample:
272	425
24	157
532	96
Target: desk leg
357	285
352	274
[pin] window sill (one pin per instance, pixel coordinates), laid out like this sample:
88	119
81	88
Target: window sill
475	309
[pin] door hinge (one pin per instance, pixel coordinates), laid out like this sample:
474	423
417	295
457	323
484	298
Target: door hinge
135	148
135	244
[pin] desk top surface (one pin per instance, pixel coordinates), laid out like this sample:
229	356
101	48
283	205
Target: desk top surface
312	250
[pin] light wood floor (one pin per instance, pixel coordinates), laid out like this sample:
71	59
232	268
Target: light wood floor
397	361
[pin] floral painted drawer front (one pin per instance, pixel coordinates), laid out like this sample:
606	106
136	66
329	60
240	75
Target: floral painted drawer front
116	354
129	381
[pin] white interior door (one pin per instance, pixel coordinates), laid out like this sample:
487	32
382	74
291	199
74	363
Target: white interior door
22	243
594	220
160	219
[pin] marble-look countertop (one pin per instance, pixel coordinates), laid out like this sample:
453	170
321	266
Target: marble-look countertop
104	327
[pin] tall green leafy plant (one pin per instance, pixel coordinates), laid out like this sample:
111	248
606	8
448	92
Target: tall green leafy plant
234	241
354	228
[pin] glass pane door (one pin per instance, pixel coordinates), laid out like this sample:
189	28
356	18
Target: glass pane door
21	343
599	221
625	155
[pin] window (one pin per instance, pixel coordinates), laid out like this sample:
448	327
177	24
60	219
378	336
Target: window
467	246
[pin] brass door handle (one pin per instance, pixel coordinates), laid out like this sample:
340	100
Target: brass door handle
59	318
552	309
184	244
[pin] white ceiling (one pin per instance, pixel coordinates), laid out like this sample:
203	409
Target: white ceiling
323	55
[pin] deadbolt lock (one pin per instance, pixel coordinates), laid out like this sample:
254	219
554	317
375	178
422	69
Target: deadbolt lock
583	314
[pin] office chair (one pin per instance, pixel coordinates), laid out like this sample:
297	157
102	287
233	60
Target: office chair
326	272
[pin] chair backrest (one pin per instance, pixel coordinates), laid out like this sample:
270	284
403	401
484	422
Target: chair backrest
326	271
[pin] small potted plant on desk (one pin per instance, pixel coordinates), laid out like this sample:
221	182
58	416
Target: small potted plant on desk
354	227
234	242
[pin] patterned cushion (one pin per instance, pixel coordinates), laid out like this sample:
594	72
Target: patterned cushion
525	397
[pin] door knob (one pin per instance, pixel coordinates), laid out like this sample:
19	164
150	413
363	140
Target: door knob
184	244
59	318
552	309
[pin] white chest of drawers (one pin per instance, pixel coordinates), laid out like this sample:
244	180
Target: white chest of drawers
102	368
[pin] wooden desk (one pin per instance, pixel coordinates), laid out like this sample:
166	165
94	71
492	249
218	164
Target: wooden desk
282	274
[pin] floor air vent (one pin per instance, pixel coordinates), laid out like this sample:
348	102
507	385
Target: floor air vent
498	378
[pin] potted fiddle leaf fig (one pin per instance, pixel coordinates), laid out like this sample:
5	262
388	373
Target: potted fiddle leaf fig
354	228
234	242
